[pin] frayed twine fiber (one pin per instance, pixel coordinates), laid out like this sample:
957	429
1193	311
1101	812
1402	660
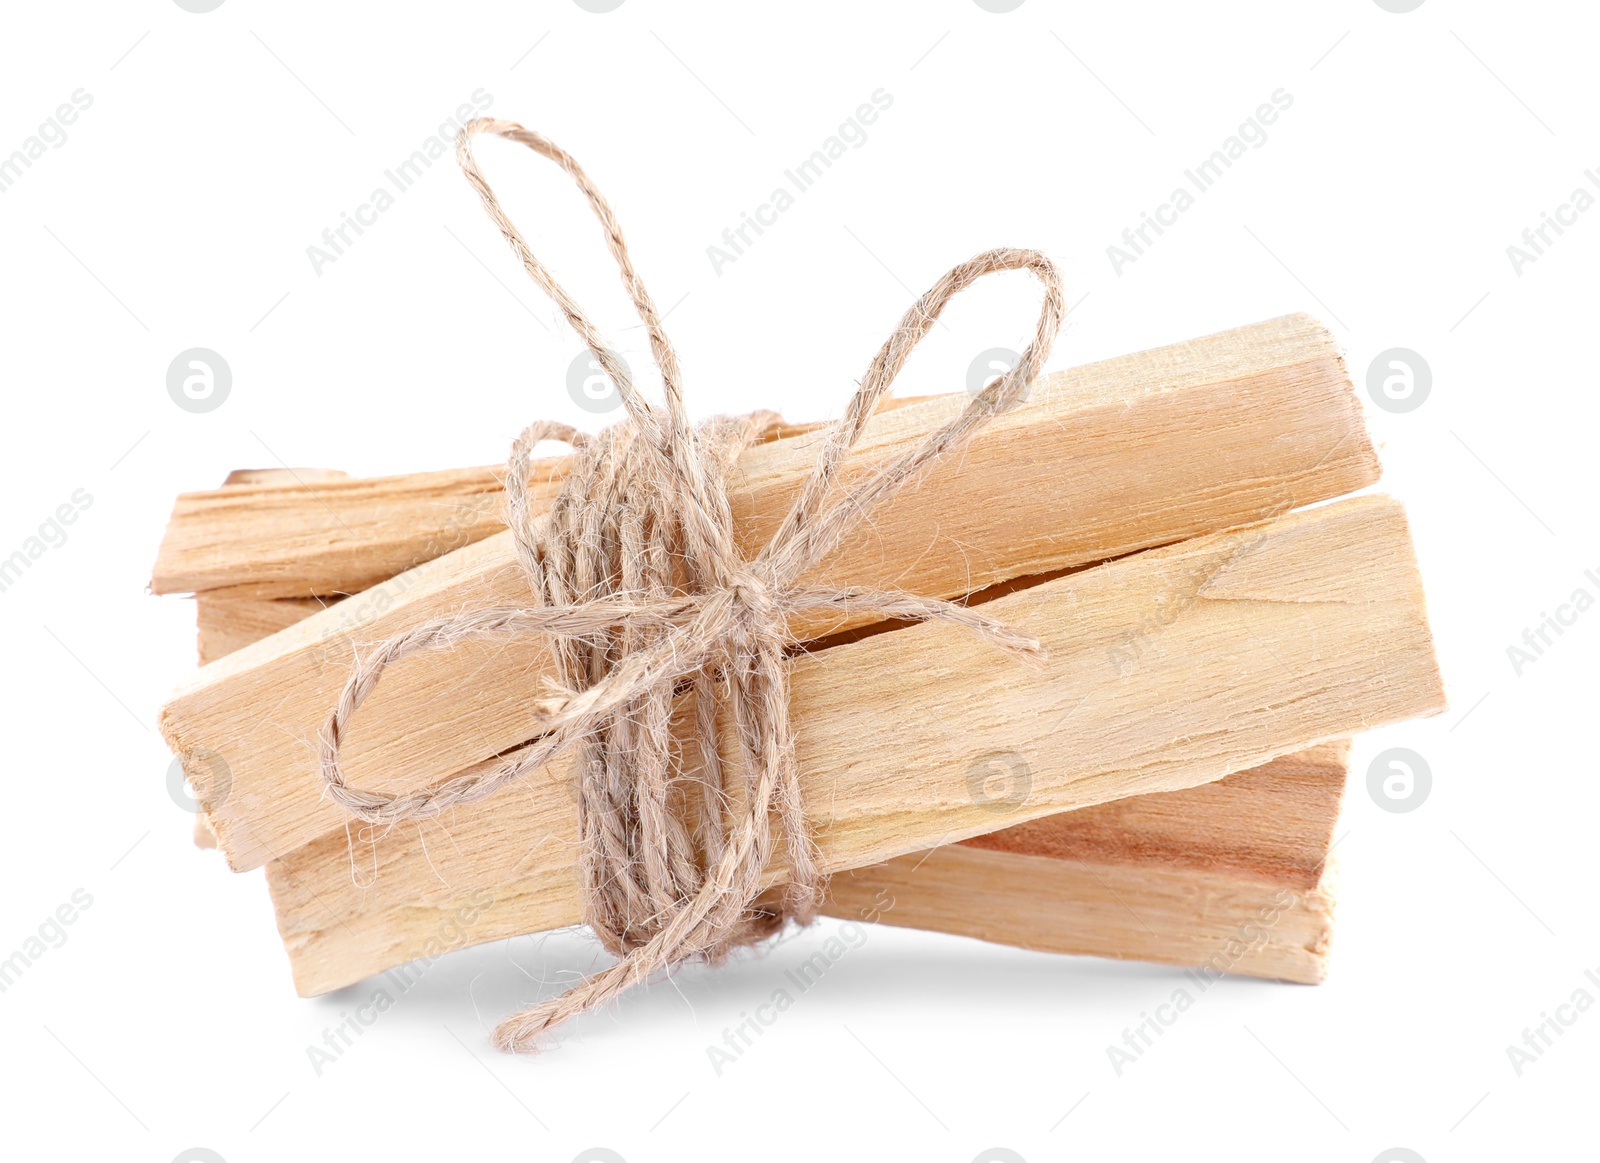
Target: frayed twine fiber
640	585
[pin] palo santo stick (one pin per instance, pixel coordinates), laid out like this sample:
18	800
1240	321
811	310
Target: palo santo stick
355	532
1230	876
1184	878
304	533
1250	644
1103	460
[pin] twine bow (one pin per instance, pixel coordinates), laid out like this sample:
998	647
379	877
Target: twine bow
653	611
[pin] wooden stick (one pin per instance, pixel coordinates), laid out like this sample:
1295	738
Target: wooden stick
357	533
1231	876
1103	461
1187	878
319	533
1167	669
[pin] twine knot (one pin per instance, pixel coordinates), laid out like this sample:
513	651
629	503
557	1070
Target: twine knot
754	607
656	615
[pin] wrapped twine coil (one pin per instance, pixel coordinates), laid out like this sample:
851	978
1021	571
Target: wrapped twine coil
637	579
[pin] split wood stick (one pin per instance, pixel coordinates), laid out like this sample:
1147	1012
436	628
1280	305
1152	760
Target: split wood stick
1184	878
1229	877
319	533
1168	669
1232	876
1102	461
258	538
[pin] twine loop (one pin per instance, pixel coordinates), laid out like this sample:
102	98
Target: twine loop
654	615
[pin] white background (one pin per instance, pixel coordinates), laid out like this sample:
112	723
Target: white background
219	146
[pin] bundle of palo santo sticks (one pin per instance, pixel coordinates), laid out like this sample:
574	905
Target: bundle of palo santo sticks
1164	787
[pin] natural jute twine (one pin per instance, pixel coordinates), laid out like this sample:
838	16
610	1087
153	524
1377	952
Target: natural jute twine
640	584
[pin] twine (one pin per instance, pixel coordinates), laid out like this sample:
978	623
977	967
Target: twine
640	585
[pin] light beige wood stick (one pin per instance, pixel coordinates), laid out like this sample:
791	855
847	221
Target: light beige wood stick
1103	461
1232	876
1187	878
357	533
304	533
1229	877
1167	669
